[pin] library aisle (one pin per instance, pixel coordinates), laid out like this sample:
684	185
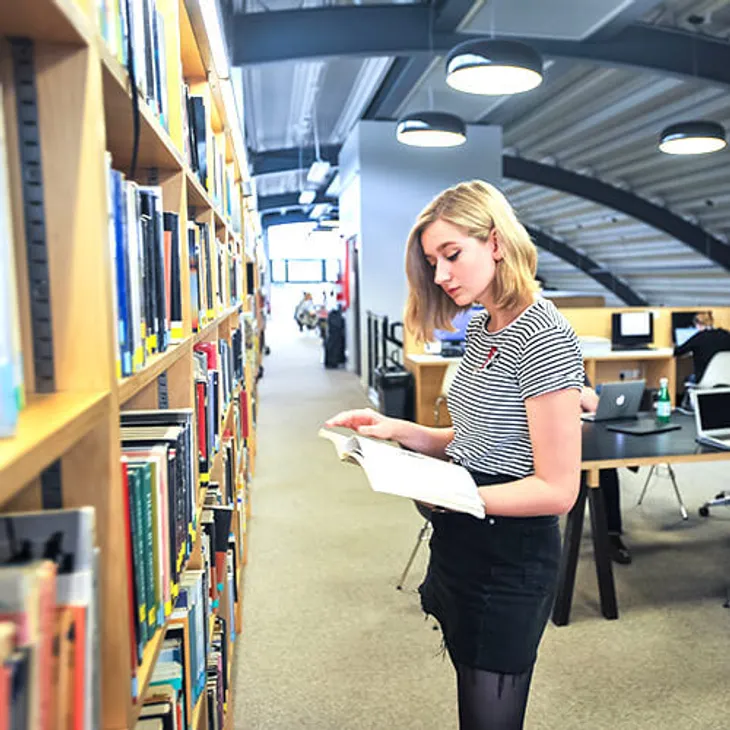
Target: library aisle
328	643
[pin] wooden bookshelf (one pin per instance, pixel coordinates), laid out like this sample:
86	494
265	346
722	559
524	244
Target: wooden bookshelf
49	425
85	109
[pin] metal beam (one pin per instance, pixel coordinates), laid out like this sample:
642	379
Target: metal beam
294	158
623	201
288	200
401	79
406	71
586	264
276	219
400	30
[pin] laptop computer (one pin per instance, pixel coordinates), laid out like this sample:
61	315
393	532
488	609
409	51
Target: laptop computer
712	416
618	400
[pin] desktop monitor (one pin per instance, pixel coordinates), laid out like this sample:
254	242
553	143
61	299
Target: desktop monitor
683	326
632	330
459	323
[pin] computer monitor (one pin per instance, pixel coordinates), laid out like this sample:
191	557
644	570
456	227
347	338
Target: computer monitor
680	335
632	330
682	324
459	323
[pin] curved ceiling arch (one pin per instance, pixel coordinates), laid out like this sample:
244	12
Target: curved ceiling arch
403	30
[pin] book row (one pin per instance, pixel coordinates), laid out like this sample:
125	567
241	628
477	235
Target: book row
146	252
135	35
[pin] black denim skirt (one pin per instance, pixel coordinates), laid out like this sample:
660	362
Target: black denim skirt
490	584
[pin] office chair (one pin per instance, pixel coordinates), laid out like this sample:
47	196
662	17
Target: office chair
424	533
652	471
717	373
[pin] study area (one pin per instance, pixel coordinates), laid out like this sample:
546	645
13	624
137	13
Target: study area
618	346
205	213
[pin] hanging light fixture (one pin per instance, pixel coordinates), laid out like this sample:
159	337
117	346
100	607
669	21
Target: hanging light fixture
692	138
431	129
493	67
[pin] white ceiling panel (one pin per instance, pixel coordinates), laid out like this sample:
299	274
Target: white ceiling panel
564	19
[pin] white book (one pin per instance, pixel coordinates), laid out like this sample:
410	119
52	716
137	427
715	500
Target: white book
392	470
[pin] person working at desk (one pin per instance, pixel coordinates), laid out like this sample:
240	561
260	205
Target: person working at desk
705	344
514	405
608	482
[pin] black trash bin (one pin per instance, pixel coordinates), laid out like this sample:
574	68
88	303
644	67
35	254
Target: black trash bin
395	391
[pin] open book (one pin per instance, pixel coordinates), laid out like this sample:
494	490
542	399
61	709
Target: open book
408	474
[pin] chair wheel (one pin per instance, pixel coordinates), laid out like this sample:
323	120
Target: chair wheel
704	511
720	495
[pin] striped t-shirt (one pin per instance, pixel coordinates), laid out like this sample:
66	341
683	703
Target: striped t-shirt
535	354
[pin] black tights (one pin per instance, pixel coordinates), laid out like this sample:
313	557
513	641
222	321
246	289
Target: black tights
491	700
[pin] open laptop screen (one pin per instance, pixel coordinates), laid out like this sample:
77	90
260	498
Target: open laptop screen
713	407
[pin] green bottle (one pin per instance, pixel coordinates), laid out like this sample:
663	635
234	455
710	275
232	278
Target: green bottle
664	403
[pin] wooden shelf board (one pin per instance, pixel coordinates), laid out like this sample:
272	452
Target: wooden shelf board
192	62
197	195
157	364
146	668
197	711
54	21
156	148
209	328
48	426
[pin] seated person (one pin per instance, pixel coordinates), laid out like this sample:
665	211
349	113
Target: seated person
608	481
705	344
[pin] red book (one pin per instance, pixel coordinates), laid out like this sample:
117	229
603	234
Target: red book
211	351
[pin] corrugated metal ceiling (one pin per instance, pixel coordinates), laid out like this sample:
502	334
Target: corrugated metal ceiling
599	121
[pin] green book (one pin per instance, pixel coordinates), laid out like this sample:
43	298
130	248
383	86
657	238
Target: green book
135	480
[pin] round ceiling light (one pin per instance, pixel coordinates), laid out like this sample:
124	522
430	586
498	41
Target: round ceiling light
493	68
692	138
431	129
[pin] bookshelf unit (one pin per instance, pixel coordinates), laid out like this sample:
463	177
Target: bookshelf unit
84	106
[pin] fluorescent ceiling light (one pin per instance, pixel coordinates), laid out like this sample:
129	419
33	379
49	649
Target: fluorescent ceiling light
493	68
306	197
318	172
431	129
692	138
216	41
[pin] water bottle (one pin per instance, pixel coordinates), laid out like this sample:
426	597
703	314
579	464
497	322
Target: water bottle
663	404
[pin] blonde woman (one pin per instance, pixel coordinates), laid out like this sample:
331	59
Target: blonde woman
515	406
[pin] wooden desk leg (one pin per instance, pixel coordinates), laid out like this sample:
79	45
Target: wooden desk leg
599	530
569	558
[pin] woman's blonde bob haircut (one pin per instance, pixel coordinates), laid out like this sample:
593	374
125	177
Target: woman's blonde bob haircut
476	208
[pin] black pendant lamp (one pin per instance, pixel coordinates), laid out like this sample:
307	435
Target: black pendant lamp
431	129
692	138
493	67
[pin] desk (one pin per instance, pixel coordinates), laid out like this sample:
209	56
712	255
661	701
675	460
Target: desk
602	367
603	449
607	367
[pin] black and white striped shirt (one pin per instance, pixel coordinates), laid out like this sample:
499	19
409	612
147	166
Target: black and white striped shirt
537	353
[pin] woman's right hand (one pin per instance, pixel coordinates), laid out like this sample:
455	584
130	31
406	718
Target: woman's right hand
367	422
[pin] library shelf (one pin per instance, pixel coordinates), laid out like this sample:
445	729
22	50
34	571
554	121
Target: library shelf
197	711
47	427
197	195
146	668
53	21
156	148
156	365
160	362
